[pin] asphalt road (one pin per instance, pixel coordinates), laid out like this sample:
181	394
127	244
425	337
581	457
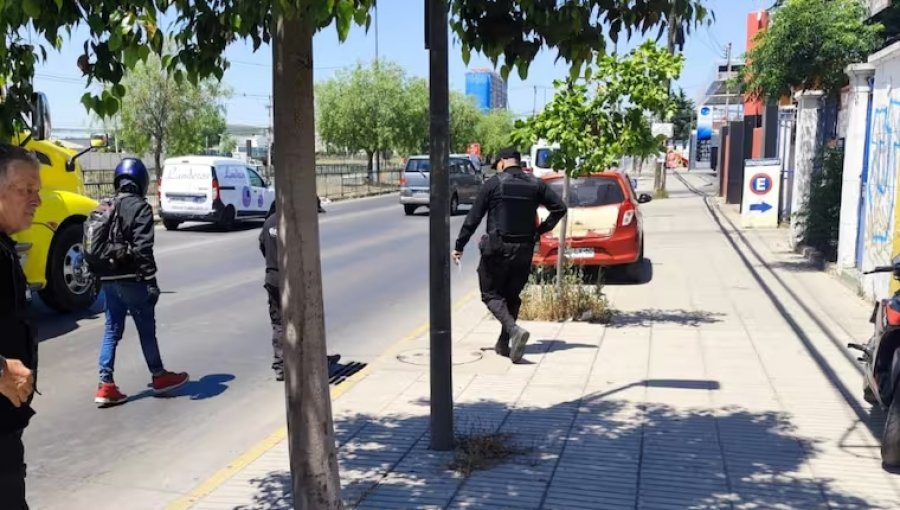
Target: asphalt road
213	322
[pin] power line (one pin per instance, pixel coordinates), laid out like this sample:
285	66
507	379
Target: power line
269	66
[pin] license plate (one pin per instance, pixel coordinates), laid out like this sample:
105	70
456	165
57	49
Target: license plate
580	253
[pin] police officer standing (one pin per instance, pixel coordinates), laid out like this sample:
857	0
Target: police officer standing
268	245
20	183
510	199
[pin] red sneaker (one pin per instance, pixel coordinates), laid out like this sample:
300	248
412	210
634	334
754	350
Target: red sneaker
108	394
168	381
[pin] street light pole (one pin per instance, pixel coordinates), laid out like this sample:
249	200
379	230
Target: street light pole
439	221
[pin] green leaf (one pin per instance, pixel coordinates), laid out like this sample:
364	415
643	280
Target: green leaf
131	56
110	106
522	65
344	18
115	41
119	90
32	8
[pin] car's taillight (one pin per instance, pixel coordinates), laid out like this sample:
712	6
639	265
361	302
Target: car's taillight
216	192
627	214
402	180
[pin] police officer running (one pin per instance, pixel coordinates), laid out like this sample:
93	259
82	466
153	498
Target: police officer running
20	182
510	199
268	245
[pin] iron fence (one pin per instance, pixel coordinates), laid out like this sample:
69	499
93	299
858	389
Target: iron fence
335	180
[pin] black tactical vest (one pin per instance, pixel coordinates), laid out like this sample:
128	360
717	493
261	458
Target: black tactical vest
518	206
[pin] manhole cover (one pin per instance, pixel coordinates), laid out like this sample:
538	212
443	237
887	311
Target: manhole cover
422	356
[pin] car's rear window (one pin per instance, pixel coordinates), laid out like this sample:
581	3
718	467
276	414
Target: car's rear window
542	157
424	165
591	191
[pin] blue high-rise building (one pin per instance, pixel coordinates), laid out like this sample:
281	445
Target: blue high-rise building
487	87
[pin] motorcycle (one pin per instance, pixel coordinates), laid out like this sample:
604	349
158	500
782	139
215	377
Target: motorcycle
881	366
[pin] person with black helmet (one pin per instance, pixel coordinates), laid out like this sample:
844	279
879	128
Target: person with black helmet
510	199
131	287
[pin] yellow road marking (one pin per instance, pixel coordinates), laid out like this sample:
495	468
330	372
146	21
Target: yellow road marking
256	451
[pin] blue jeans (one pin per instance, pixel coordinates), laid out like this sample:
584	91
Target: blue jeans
124	297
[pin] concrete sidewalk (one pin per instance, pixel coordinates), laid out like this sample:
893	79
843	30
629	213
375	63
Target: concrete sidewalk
721	383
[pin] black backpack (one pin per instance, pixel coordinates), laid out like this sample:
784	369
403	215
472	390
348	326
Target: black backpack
104	243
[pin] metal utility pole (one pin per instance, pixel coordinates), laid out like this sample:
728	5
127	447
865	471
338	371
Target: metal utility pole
534	103
439	221
727	86
377	137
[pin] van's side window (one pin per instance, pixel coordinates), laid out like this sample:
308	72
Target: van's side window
255	179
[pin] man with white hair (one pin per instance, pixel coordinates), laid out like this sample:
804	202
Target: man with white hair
20	183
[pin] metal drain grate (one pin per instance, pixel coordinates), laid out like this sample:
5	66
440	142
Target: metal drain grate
342	371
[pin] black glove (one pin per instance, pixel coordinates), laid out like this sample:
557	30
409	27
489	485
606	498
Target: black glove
153	291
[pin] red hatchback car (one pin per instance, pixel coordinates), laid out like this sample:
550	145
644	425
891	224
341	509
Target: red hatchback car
604	224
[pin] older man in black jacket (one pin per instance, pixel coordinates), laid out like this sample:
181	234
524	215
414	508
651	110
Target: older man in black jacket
20	183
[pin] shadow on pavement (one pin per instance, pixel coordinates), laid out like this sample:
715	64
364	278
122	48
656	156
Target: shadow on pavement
626	452
546	346
208	386
212	227
645	318
51	324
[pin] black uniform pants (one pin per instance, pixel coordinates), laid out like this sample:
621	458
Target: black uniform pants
502	276
12	472
277	328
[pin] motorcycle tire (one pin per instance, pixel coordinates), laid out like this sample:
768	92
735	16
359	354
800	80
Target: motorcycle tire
890	441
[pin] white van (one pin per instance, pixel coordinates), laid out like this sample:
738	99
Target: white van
211	189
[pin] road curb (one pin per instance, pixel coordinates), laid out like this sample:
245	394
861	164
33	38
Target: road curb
256	451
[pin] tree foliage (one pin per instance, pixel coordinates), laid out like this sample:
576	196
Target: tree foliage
125	32
808	46
683	118
604	116
160	115
389	112
512	32
494	131
357	110
464	119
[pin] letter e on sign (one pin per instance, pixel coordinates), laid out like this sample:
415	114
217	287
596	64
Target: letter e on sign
760	184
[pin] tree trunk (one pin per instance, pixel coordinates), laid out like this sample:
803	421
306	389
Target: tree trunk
313	456
157	164
370	167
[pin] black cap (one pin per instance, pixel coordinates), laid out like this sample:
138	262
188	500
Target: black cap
508	153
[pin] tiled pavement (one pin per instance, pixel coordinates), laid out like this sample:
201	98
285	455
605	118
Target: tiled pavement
722	383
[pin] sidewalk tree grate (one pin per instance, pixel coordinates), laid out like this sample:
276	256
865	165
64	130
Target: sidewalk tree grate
422	356
342	371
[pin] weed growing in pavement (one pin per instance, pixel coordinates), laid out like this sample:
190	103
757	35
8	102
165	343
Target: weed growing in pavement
572	299
479	451
660	194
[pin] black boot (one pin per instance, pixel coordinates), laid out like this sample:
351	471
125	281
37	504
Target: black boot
502	348
518	338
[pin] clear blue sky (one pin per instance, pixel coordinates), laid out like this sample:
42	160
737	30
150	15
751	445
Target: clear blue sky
400	39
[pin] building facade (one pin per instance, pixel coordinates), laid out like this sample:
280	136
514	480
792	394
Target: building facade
487	88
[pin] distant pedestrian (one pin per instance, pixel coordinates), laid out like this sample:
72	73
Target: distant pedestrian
20	182
129	284
268	245
510	198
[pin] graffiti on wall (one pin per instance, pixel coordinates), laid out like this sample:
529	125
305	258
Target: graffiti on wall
881	184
